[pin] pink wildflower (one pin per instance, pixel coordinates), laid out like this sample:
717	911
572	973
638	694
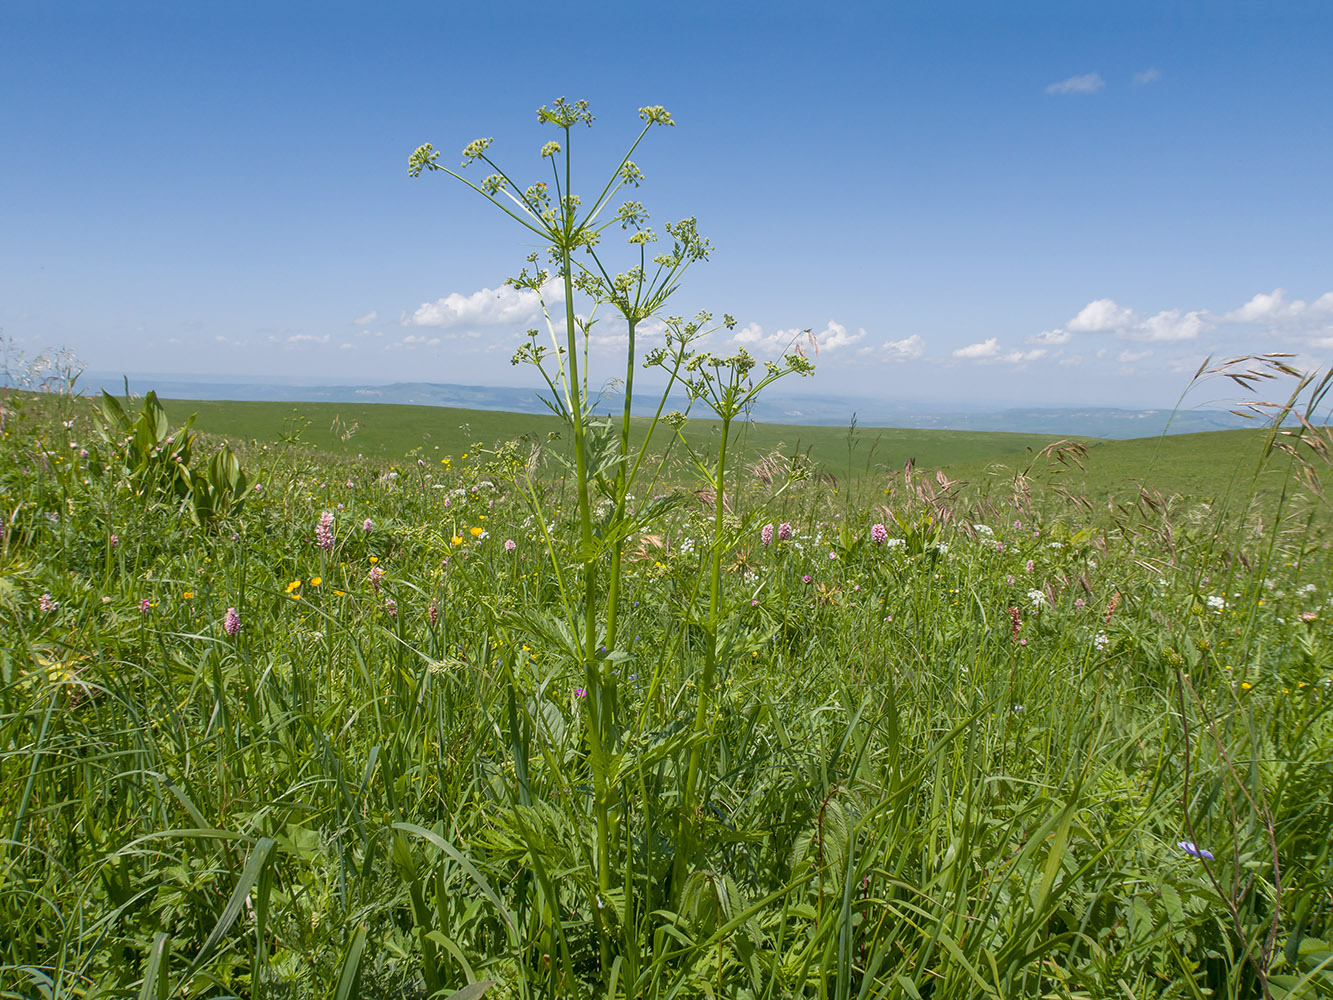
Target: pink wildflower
784	532
46	604
1030	565
375	574
367	525
434	611
766	534
879	534
324	531
806	578
510	545
144	606
231	624
391	606
1110	608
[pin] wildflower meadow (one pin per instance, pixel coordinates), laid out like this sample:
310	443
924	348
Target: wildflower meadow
618	714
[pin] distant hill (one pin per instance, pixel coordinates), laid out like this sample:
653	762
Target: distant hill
817	411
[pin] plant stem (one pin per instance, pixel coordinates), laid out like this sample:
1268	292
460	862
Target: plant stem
703	703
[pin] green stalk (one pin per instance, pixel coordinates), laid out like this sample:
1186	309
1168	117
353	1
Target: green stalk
704	701
622	488
592	678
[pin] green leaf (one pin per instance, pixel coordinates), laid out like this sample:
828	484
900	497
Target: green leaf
249	876
472	990
155	977
351	965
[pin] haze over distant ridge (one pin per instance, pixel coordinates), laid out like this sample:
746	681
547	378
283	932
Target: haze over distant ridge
773	407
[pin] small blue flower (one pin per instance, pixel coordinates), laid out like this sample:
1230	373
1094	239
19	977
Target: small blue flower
1196	852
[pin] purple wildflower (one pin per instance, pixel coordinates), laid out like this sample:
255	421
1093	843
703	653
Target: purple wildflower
391	606
806	578
144	606
510	545
231	624
784	532
879	534
580	693
46	604
434	611
367	525
766	534
374	577
1196	852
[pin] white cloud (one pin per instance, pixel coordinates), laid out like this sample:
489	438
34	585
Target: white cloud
988	353
1147	76
307	338
1105	316
986	349
834	337
1088	83
908	349
488	307
1128	356
1101	314
1050	337
1170	324
369	317
1021	357
1273	309
411	342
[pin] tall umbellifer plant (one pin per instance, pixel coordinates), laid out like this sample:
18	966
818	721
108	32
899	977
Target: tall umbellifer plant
605	462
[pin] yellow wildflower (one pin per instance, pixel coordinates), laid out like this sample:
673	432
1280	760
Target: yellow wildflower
292	586
315	581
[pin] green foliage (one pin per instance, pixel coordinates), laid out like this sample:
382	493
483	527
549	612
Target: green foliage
156	462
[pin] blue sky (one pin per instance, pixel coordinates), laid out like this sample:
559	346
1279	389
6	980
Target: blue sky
1044	203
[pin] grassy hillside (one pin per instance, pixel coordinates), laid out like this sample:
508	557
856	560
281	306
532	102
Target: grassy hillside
1216	465
391	432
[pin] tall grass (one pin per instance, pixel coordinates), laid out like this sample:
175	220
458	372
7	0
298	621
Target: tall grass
904	795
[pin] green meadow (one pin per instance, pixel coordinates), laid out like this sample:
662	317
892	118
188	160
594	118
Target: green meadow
1218	466
306	719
